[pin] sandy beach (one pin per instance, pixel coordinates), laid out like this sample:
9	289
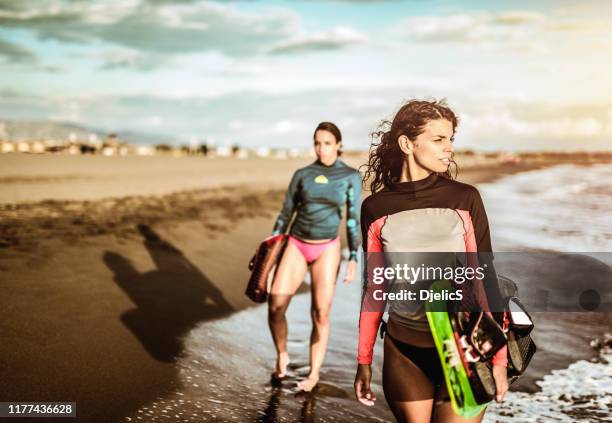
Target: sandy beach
108	264
146	149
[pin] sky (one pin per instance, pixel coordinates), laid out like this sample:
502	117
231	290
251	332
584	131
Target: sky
521	75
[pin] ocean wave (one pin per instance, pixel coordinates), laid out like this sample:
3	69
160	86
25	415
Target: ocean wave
562	208
580	393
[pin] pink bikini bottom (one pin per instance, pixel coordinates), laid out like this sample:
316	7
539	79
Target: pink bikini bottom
310	251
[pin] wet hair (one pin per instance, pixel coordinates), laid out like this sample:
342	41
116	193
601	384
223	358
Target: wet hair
329	127
384	165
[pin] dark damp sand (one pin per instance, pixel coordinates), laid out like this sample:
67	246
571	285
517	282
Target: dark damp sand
98	294
100	321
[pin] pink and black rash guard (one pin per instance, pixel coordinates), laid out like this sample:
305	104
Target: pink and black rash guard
434	214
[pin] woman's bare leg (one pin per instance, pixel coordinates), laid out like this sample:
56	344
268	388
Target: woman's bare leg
443	413
410	394
408	391
324	272
289	275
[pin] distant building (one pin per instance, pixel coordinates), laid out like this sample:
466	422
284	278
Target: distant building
280	154
7	147
508	158
109	151
223	151
263	151
145	150
23	147
37	147
3	132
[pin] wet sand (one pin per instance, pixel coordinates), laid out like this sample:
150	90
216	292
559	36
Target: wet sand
101	320
100	290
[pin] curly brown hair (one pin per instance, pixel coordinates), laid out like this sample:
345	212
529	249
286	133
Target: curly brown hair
386	158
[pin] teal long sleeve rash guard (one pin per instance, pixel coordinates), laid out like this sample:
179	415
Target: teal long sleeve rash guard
318	193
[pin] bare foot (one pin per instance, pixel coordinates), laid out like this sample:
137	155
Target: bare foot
282	361
308	384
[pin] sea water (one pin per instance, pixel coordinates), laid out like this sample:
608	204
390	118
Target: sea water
561	208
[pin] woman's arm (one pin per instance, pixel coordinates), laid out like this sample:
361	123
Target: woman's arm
372	310
353	198
371	314
482	237
491	286
286	213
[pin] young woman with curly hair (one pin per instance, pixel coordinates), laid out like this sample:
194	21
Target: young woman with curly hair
416	206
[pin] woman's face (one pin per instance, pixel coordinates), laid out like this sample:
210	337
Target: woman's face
325	146
433	148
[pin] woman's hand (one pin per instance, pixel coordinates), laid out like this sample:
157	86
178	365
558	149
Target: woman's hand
362	385
351	270
500	374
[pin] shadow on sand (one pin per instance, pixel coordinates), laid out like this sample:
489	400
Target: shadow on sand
170	300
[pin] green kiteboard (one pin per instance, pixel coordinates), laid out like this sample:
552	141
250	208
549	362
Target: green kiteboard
459	389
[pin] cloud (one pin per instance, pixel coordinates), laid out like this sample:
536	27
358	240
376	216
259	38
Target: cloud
476	27
538	125
357	1
154	121
15	53
451	28
334	39
509	30
118	59
578	25
158	27
518	17
23	59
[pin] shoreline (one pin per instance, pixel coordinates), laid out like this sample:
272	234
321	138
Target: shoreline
98	282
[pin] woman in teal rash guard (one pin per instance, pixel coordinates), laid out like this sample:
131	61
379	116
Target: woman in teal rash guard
317	194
